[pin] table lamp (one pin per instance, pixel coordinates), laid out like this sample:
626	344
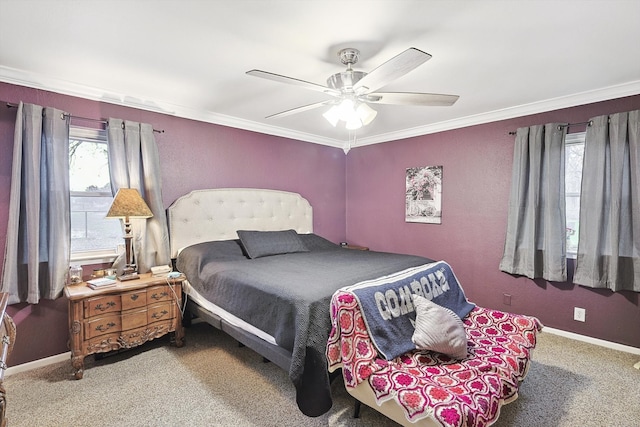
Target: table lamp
128	204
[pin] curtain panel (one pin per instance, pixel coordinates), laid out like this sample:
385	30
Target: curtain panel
609	245
37	251
535	243
134	163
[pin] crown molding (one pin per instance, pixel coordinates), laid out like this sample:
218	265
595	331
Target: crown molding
582	98
38	81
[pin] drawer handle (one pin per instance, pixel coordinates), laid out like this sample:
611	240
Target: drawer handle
162	295
160	315
102	328
134	296
109	305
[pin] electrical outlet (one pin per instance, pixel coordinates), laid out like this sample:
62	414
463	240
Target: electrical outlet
579	314
506	299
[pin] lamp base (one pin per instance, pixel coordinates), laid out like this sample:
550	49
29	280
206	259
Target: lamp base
129	273
129	276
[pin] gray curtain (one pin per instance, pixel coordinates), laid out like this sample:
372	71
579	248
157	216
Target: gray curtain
535	244
38	244
609	245
134	163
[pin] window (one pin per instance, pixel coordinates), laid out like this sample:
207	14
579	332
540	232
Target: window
92	235
574	152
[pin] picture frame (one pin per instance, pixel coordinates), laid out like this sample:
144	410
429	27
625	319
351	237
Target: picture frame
424	195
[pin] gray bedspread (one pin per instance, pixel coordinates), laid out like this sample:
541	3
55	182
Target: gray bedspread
288	297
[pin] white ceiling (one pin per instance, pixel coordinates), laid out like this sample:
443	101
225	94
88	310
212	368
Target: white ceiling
189	57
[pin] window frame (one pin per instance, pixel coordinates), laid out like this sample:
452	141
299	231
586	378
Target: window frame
102	255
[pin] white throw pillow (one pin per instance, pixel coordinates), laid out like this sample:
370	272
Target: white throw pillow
438	329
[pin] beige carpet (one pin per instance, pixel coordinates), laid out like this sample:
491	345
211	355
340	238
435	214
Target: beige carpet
213	382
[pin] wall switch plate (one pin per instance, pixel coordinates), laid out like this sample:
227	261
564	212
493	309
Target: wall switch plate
579	314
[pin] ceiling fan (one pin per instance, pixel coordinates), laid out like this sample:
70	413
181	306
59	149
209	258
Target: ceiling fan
352	90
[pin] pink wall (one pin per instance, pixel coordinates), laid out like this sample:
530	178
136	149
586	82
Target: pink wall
369	185
193	155
477	165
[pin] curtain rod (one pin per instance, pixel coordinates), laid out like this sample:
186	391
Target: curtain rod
103	121
589	123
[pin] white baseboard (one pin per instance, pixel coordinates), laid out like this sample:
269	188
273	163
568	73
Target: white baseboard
590	340
608	344
38	363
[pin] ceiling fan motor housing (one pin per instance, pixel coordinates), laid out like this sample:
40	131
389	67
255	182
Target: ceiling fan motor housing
344	81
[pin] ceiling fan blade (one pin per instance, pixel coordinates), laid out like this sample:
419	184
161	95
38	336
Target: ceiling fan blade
290	80
394	68
411	98
298	109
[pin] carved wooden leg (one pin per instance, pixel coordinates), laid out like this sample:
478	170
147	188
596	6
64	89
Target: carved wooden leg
78	365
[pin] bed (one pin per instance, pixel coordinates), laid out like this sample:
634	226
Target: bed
256	270
271	285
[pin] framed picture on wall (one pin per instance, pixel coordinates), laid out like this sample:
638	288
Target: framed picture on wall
424	195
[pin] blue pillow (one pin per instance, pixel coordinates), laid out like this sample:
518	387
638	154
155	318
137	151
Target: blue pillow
264	243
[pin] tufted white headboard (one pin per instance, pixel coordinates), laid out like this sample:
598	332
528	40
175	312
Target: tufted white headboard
216	214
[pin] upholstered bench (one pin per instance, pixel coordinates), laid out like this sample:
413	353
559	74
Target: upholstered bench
429	388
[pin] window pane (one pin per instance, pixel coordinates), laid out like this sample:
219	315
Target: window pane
91	193
90	230
88	166
573	167
573	223
574	152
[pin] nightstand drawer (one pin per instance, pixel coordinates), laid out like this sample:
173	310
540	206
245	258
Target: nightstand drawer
134	299
159	312
134	319
158	293
101	305
103	325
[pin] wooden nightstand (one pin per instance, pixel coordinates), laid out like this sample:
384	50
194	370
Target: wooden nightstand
123	316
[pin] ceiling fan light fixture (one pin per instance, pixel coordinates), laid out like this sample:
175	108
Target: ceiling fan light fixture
347	108
332	115
354	114
353	123
366	113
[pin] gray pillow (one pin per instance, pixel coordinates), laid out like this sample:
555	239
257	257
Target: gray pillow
313	242
264	243
438	329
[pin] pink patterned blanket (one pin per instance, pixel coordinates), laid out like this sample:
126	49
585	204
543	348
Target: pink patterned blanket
465	392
